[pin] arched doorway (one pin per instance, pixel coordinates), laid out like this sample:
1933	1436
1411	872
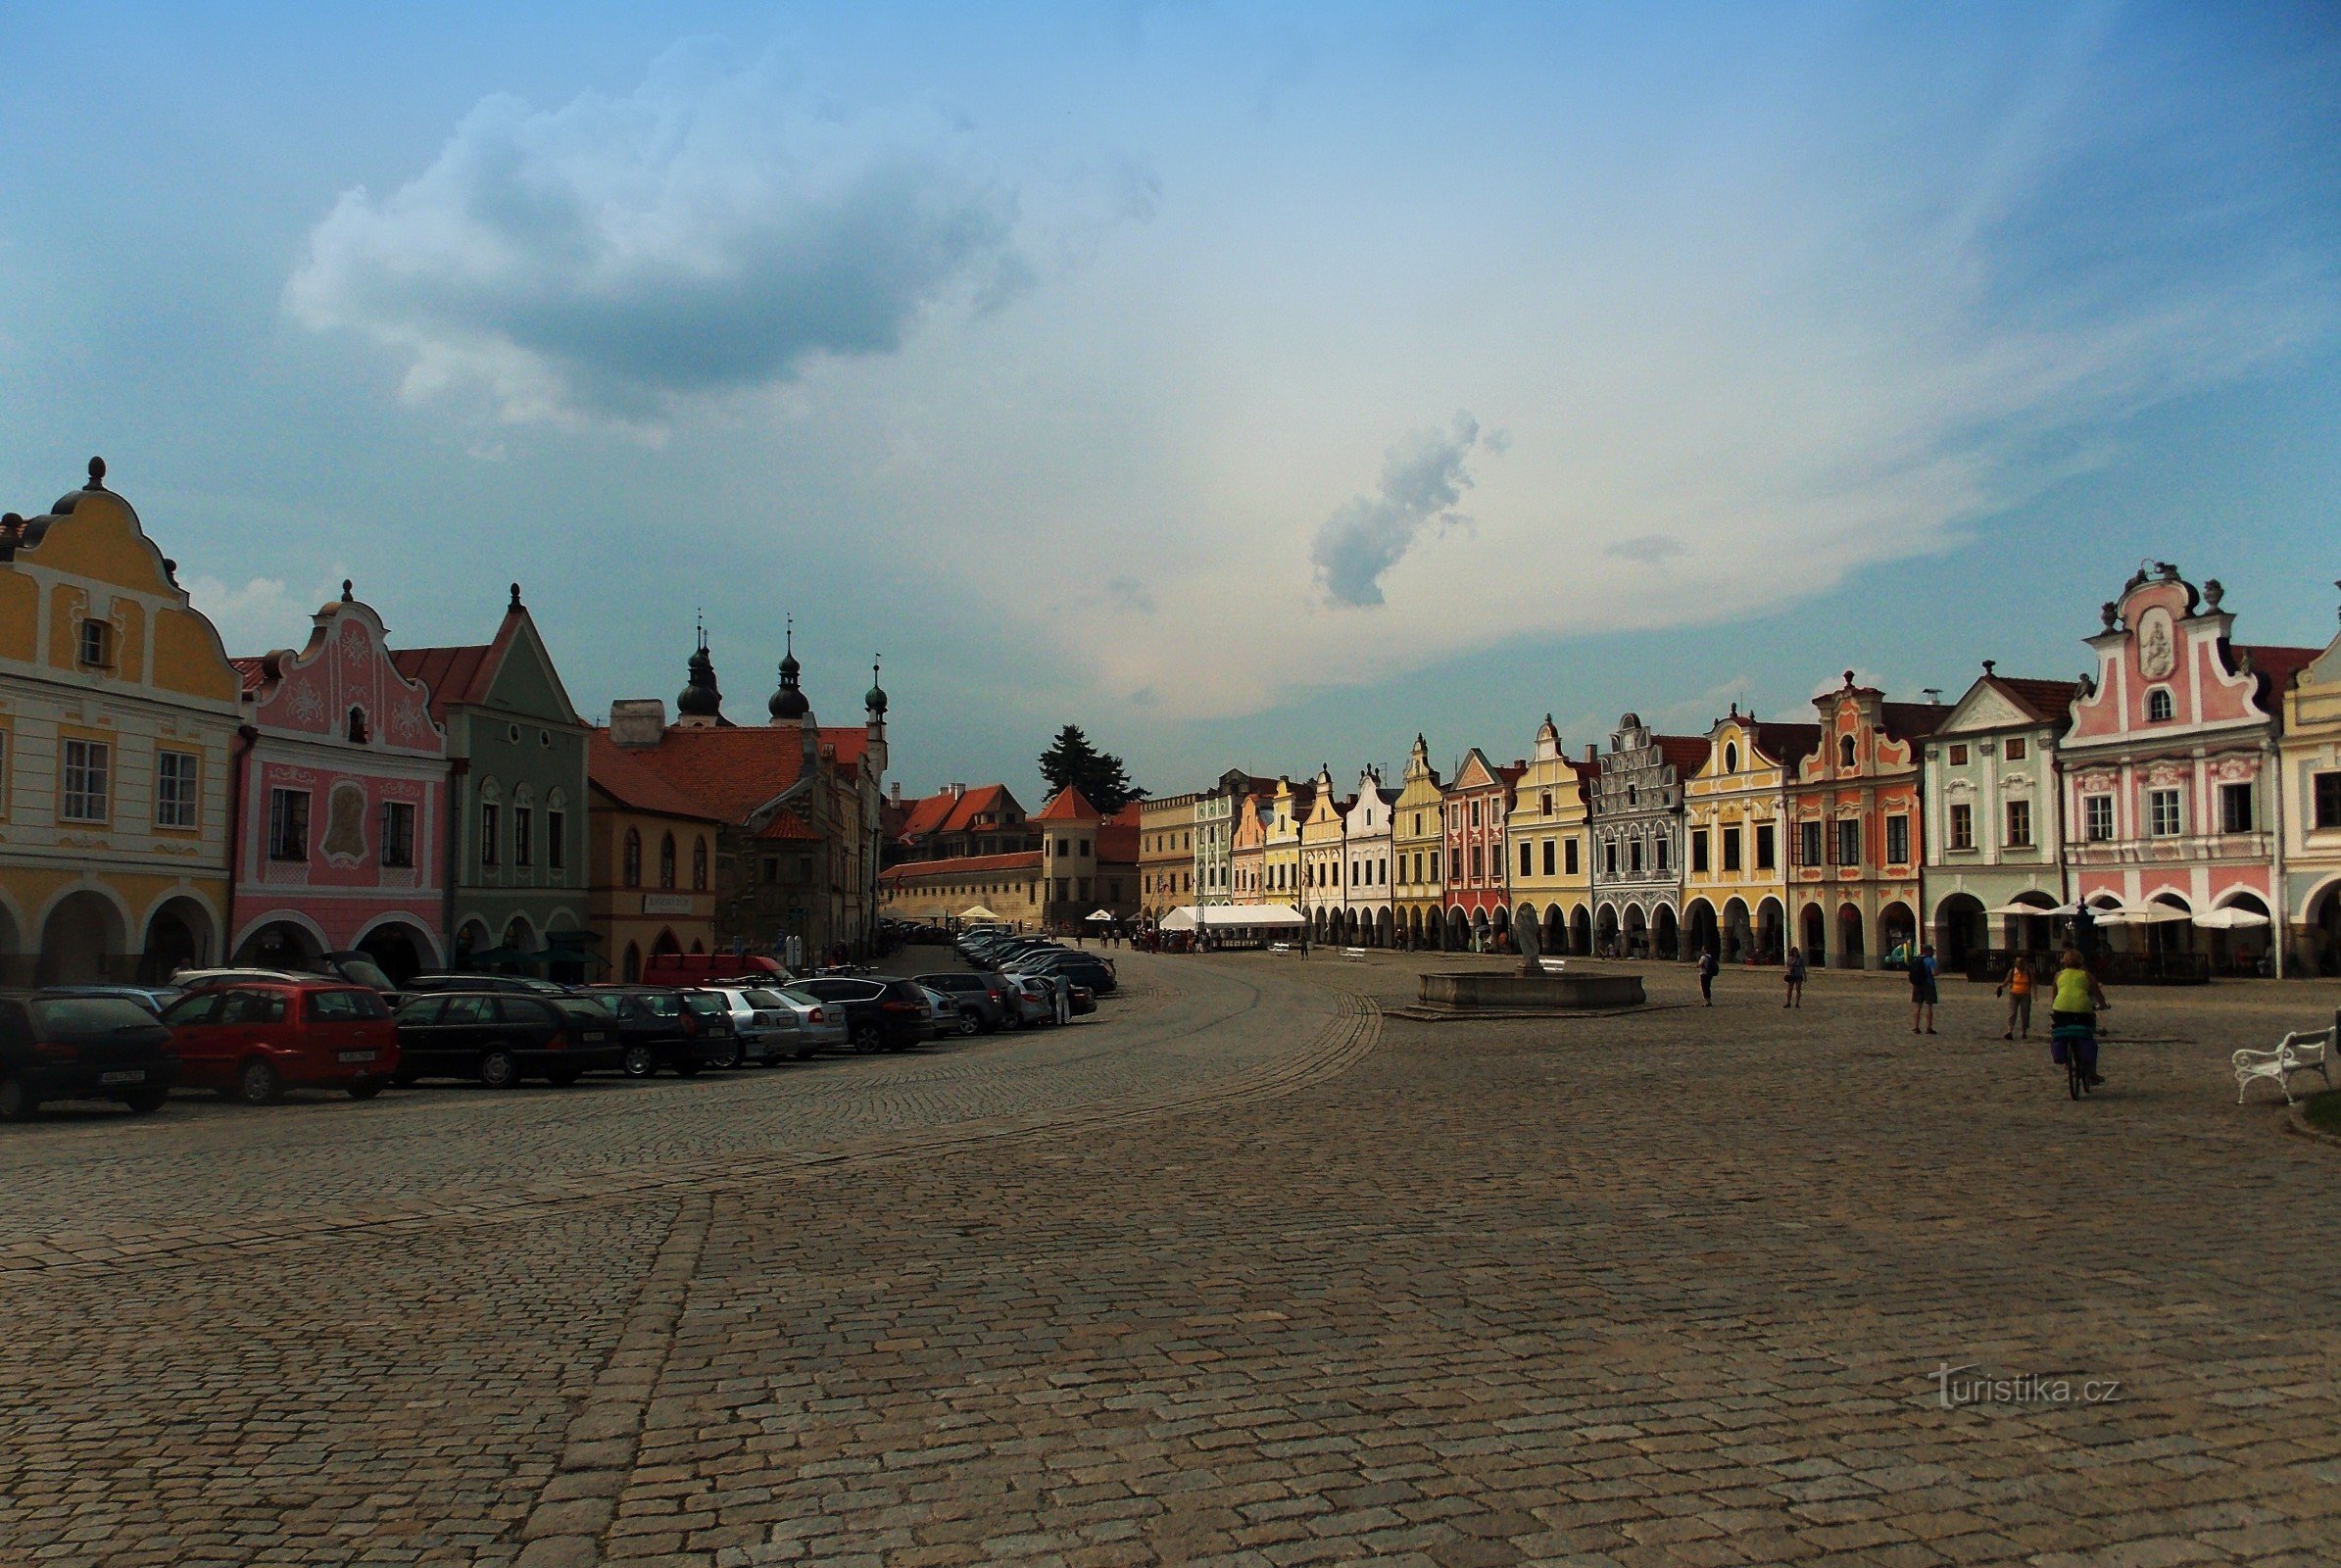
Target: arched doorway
1458	935
15	967
1814	937
1381	928
470	938
1700	920
2031	933
2321	935
1772	922
1555	935
1499	930
1580	932
631	971
1849	937
399	950
1897	935
1665	933
2241	951
1413	928
1634	934
280	945
82	942
1478	931
1739	937
1608	933
178	936
665	942
1961	930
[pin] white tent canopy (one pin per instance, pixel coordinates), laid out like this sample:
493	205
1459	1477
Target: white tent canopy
1231	917
2041	910
2230	920
976	911
1098	914
2143	915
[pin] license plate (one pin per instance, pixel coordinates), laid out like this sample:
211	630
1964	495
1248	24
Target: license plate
122	1077
357	1055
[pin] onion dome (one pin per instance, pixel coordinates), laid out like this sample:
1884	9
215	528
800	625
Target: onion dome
789	702
875	698
700	699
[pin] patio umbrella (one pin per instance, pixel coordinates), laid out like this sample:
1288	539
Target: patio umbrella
976	911
2148	914
1098	914
2039	910
2230	920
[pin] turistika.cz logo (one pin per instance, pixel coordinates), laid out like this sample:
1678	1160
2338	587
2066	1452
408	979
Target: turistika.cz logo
1955	1389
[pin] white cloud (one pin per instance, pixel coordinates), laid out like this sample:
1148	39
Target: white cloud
711	232
261	614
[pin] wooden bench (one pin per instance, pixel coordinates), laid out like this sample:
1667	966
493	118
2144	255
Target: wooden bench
2301	1051
1353	955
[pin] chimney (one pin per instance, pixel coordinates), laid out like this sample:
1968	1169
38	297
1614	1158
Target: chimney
637	721
954	789
895	791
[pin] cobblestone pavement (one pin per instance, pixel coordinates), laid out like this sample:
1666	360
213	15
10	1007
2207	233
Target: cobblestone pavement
1243	1274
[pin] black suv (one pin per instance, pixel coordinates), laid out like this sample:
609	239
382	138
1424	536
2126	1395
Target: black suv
655	1029
880	1015
83	1048
1086	967
499	1040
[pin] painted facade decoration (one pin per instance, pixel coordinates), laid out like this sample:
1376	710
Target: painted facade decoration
1995	828
1637	840
516	748
2169	775
1279	856
1367	850
1418	851
1735	839
342	809
2310	753
1549	847
1858	843
118	711
1478	913
1215	824
1247	849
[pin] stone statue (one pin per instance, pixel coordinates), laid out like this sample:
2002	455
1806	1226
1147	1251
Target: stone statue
1525	934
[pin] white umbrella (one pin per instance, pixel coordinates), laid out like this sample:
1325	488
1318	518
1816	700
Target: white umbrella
2230	920
2041	910
2147	914
976	911
1098	914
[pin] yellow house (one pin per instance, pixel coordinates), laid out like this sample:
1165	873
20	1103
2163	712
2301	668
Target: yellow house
119	712
1280	859
1418	835
1735	838
1550	850
1324	848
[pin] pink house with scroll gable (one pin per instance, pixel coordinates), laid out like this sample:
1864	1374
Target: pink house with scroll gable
338	841
2170	772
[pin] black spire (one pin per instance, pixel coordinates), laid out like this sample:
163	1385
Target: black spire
875	698
700	698
789	702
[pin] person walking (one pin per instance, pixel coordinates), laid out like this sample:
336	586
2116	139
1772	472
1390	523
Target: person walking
2072	1009
1795	973
1922	989
1707	968
2018	984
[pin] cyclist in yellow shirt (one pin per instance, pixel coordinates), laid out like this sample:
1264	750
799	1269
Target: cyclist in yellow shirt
2073	1011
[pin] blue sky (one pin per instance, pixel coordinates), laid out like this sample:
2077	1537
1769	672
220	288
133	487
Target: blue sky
1253	385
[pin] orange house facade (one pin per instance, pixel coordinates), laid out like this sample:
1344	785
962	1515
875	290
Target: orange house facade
1855	843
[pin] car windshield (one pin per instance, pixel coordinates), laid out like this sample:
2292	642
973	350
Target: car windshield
89	1015
365	972
760	997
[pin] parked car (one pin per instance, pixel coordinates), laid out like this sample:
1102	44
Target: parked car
949	1018
518	984
1033	998
255	1039
498	1040
230	974
1086	967
690	970
1058	989
820	1025
979	994
655	1029
718	1031
154	999
765	1025
1083	1000
83	1048
880	1015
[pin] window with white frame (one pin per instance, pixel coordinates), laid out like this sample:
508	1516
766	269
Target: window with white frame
2159	706
397	834
2097	818
2324	793
1963	825
2019	824
95	648
288	824
2017	747
2235	809
176	773
1897	839
87	792
2161	814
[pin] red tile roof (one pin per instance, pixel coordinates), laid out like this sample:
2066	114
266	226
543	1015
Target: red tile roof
457	674
787	825
1688	753
1906	721
1069	805
2276	666
2044	700
926	815
1787	744
1118	836
621	774
963	866
984	800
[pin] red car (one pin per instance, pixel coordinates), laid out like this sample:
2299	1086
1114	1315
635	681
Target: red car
255	1039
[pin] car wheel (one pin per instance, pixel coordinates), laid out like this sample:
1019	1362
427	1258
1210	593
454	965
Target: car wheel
729	1055
641	1061
146	1101
866	1036
257	1083
367	1087
562	1077
970	1024
498	1068
15	1103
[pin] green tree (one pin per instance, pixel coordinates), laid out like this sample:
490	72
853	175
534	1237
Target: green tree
1099	775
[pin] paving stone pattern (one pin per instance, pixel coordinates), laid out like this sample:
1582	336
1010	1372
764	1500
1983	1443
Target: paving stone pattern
1286	1283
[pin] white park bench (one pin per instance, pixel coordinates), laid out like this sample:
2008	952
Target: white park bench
1552	965
1353	955
1280	947
2301	1051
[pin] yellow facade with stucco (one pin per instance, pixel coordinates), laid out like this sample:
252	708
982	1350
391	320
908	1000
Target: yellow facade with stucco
119	712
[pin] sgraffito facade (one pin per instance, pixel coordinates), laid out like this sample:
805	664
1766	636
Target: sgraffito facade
1638	839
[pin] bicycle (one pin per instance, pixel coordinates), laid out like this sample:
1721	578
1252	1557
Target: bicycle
2076	1044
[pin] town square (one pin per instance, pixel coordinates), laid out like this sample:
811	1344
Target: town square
1092	784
